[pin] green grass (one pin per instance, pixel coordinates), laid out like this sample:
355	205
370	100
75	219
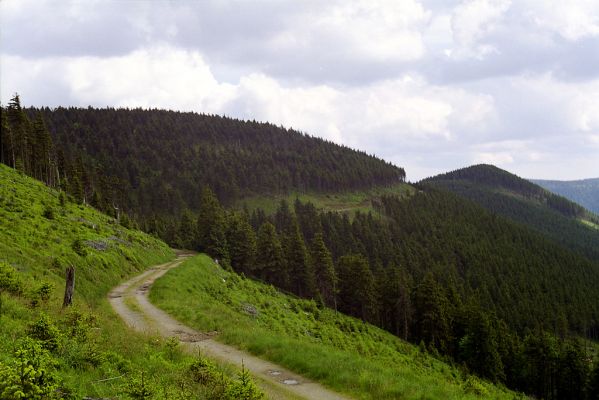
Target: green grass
349	202
95	354
341	352
590	224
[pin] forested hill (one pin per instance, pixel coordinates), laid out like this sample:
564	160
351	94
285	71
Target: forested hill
525	202
160	160
585	192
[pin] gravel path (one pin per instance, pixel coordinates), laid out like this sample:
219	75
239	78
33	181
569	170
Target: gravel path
130	301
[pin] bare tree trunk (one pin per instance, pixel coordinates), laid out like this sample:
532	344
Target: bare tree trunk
69	287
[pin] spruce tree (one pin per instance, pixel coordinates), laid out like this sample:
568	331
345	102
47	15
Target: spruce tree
431	310
42	167
356	287
19	128
572	372
211	226
241	241
326	276
7	143
187	230
271	265
301	271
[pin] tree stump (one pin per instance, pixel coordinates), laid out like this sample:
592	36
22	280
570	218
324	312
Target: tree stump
69	287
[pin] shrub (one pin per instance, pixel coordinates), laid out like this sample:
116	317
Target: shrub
42	293
474	386
79	324
243	388
172	347
30	375
48	212
79	247
45	331
10	279
139	388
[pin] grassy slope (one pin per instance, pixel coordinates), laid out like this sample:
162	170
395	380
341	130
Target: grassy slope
350	202
339	351
104	357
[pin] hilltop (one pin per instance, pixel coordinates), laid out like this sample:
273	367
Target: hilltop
524	202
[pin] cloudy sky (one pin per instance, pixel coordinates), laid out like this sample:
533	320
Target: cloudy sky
430	85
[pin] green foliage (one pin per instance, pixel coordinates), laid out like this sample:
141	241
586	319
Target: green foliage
44	291
48	212
243	388
473	385
79	324
10	279
79	247
211	226
139	387
172	346
205	372
241	241
30	374
593	384
357	288
44	330
270	263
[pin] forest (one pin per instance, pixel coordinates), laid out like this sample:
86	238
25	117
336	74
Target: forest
470	286
150	160
521	201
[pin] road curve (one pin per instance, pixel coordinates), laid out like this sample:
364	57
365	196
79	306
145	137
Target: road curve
130	301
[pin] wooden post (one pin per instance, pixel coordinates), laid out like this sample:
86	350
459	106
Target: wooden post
69	287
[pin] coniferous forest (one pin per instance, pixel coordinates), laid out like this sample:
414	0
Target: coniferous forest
472	285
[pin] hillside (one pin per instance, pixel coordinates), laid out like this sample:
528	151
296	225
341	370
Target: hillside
160	160
344	353
522	201
47	352
584	192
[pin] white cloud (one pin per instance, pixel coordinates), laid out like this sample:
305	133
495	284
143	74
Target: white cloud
160	76
379	30
429	85
471	22
500	158
572	19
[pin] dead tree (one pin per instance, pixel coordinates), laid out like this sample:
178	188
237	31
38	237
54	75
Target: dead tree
69	287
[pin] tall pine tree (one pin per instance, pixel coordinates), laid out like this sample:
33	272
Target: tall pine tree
271	265
211	226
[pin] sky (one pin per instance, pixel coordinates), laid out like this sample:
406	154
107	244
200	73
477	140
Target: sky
430	85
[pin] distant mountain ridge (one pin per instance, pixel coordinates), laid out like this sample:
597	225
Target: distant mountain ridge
524	202
584	192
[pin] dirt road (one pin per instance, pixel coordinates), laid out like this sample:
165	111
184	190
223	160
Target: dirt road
130	301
